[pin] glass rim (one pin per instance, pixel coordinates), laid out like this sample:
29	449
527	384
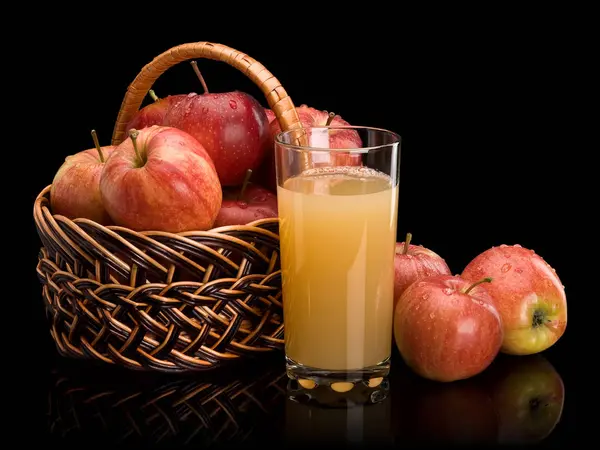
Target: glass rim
397	139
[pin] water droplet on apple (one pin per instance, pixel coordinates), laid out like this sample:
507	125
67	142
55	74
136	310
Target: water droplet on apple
421	283
425	296
519	270
481	302
547	282
243	205
431	315
448	291
505	268
517	245
232	104
503	246
191	94
204	109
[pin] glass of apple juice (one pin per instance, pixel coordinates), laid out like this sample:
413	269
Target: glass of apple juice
337	190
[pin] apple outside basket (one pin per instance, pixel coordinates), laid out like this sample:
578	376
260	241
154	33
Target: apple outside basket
166	302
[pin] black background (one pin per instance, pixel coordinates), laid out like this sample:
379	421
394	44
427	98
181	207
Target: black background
477	103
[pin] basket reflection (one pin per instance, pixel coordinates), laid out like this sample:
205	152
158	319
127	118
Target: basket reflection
122	409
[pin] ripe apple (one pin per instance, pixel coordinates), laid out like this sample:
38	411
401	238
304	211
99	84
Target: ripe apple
528	395
447	328
459	413
246	204
231	126
161	179
529	295
413	262
270	115
154	113
311	117
75	190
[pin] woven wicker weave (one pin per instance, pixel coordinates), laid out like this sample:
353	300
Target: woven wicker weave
162	301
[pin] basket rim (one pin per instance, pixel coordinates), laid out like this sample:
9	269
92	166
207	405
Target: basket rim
42	203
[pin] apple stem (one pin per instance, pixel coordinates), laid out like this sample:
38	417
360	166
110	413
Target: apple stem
406	243
244	185
97	144
477	283
330	119
133	133
199	75
153	95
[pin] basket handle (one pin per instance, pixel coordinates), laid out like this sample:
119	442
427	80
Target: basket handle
278	100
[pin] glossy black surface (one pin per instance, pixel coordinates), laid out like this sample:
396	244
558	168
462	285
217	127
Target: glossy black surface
520	401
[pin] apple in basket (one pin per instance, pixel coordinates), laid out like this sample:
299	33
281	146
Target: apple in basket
154	113
312	117
231	126
246	204
75	190
161	179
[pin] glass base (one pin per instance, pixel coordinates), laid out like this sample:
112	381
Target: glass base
310	376
336	388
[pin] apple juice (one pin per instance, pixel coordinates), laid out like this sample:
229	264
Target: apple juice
338	233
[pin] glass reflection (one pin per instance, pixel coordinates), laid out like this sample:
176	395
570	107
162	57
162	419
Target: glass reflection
356	414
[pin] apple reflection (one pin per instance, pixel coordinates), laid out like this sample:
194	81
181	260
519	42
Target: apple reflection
528	395
460	412
517	400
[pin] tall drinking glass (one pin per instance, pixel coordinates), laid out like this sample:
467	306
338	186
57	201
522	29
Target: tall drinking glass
338	202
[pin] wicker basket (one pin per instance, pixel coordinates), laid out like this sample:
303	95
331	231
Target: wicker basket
161	301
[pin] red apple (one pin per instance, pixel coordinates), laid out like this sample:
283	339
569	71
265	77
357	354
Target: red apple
529	295
413	262
311	117
270	115
154	113
528	395
161	179
231	126
75	190
246	204
447	328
